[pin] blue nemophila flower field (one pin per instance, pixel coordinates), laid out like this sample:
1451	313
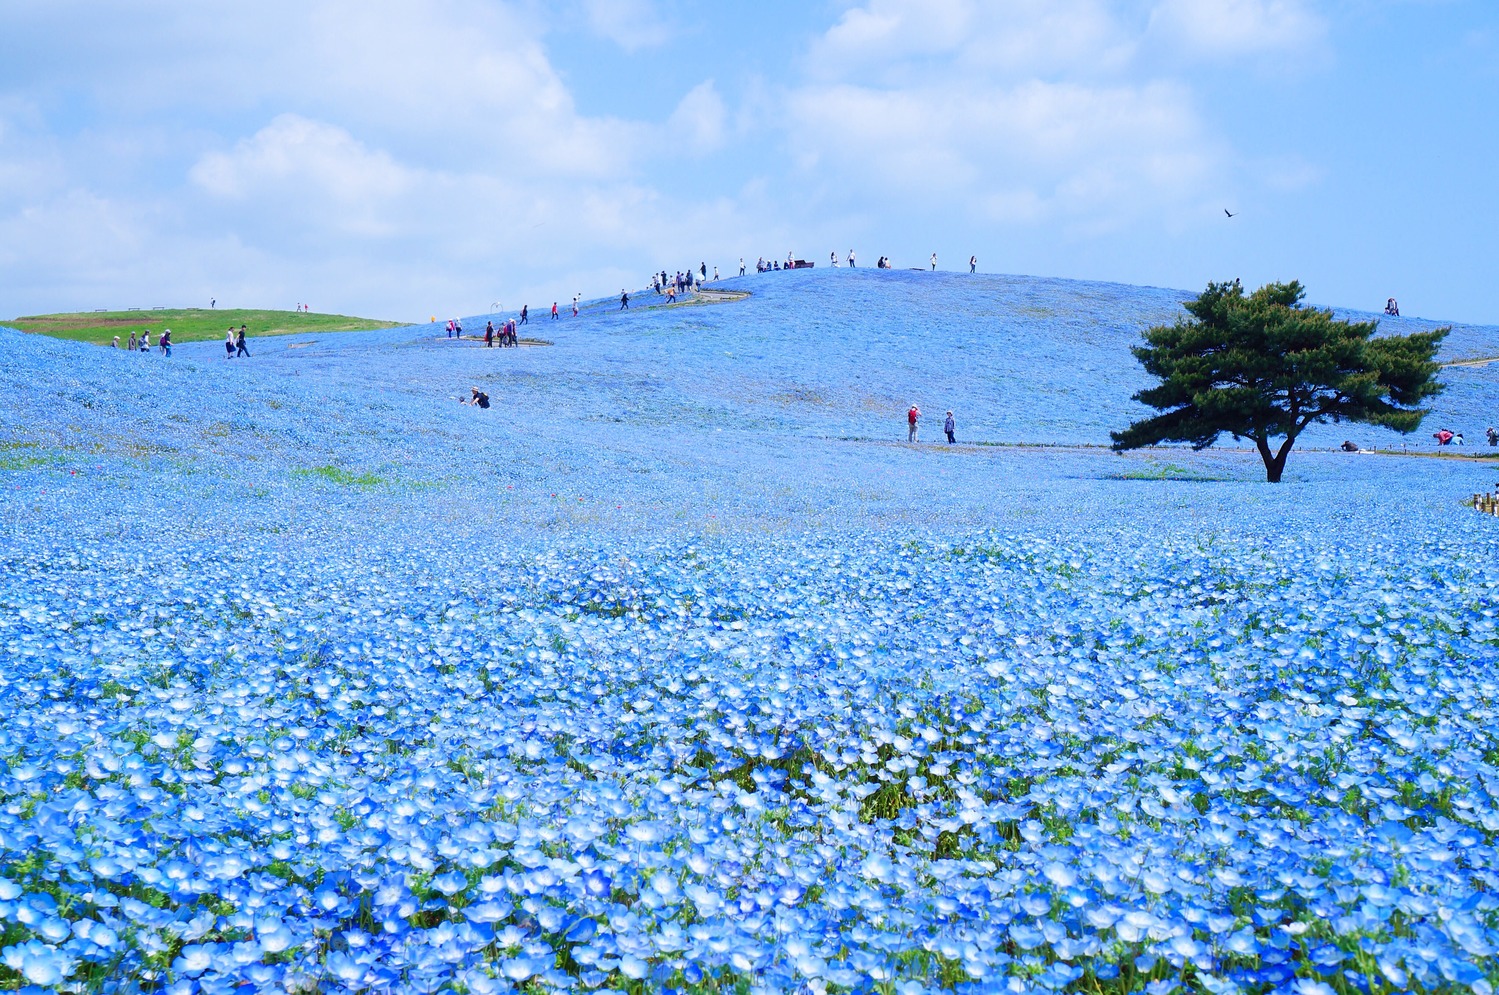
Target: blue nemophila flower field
674	670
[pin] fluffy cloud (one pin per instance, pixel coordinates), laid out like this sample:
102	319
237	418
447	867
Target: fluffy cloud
630	24
1218	28
1029	152
313	164
699	118
909	42
1027	111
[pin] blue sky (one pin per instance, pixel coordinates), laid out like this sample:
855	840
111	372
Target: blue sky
407	160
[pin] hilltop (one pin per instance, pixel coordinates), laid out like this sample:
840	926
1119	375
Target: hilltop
187	324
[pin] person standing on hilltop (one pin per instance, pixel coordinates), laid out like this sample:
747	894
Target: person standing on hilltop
912	417
973	264
624	300
576	299
554	310
851	259
741	265
934	262
525	313
833	259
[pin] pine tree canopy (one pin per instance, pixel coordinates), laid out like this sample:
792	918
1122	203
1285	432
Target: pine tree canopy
1262	367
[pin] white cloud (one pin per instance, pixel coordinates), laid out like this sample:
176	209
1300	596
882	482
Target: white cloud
293	155
1021	111
1208	29
630	24
700	118
909	42
1092	154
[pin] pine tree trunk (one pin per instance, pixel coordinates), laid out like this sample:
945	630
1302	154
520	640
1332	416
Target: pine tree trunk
1275	463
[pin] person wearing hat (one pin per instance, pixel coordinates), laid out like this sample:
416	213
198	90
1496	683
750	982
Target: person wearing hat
479	398
948	426
166	342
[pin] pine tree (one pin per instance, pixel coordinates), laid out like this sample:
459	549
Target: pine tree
1263	367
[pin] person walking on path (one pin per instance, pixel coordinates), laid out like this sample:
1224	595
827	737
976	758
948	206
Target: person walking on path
489	334
715	274
934	262
949	426
239	344
624	301
702	268
229	343
450	328
525	313
973	264
912	417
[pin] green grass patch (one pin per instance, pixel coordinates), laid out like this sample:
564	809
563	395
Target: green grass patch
338	475
26	461
1168	471
187	324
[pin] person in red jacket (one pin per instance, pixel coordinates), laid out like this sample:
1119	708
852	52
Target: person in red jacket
911	418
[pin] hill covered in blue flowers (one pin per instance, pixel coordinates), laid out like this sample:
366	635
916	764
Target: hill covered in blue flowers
679	669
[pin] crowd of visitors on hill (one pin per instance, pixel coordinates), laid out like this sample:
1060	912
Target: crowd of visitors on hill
763	265
234	343
505	335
